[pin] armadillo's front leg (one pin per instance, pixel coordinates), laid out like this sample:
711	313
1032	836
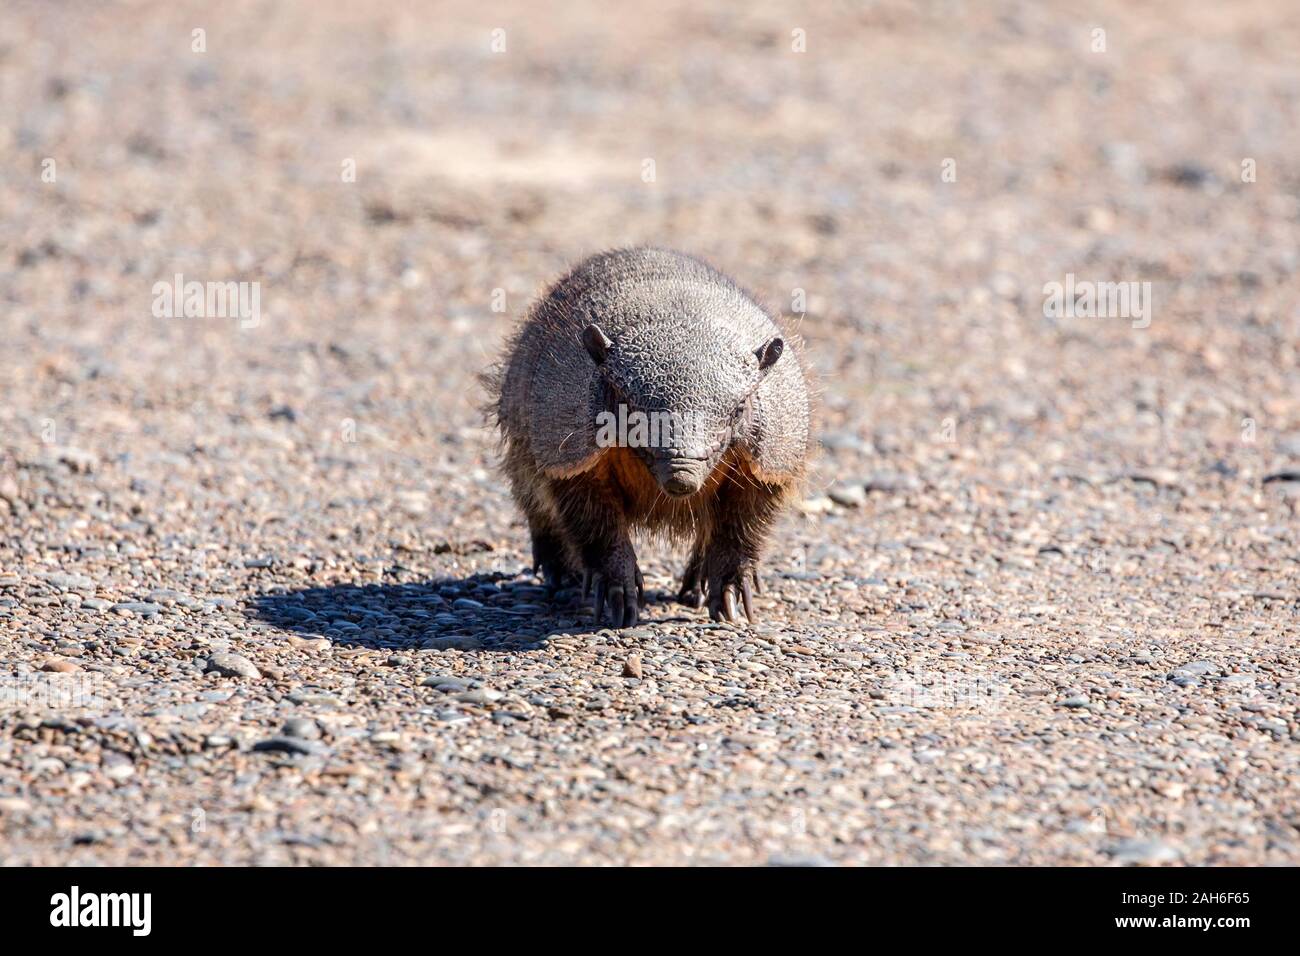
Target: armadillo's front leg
599	535
742	516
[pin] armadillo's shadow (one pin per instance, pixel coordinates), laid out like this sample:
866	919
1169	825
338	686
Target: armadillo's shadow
480	612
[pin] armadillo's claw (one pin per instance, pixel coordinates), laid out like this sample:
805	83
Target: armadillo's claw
623	607
729	604
729	591
747	598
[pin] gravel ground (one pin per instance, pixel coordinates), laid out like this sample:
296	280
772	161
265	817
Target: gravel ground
263	595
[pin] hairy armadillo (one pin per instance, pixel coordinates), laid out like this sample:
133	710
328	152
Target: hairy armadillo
646	391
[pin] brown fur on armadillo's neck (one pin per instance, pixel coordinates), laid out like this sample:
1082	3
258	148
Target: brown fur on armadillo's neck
646	506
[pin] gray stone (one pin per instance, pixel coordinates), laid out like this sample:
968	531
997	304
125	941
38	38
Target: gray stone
142	608
445	684
303	728
232	665
68	582
889	482
848	495
480	696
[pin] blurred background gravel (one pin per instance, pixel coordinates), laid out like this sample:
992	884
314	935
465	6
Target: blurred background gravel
262	592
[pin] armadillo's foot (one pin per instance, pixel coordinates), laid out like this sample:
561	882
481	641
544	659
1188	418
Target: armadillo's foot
552	578
691	597
587	575
549	562
615	583
555	576
692	592
731	589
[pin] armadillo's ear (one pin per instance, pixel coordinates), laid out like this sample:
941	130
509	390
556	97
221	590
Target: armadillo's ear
596	343
769	352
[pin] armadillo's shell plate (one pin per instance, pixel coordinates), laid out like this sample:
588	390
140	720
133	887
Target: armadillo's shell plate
663	311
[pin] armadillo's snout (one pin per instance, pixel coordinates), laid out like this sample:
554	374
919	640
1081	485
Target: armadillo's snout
680	476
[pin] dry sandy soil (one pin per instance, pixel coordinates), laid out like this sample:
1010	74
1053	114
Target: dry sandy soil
1040	605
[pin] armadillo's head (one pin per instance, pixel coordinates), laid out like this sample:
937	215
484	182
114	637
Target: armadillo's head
679	394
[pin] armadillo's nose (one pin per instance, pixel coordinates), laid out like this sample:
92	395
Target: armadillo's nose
681	476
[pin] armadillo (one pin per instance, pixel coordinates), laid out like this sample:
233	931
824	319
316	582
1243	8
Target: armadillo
718	400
